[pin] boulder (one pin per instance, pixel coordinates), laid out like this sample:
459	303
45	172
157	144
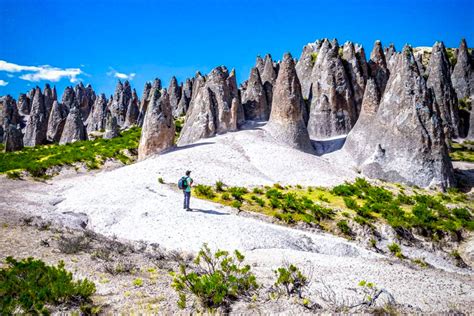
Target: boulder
37	123
401	139
56	121
286	122
74	129
158	130
439	80
254	98
333	111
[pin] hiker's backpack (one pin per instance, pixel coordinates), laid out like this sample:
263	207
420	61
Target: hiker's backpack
182	183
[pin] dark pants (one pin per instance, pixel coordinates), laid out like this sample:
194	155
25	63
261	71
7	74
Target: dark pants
187	197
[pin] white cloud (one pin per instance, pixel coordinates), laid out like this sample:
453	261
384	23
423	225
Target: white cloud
45	72
10	76
3	83
121	75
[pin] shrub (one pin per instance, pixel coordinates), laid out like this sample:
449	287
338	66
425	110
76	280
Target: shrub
27	286
274	193
350	203
285	217
291	280
14	175
236	204
278	186
220	186
299	187
314	56
321	197
462	214
274	203
138	282
259	201
238	193
405	199
291	202
345	190
344	227
160	180
394	248
257	191
215	280
205	191
225	196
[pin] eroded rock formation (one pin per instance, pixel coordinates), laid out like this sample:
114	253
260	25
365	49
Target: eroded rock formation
56	121
74	129
37	124
254	98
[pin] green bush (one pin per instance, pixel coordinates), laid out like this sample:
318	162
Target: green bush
274	203
237	204
350	203
278	186
160	180
257	191
205	191
238	193
290	280
344	227
274	193
394	248
27	286
220	186
285	217
345	190
215	280
225	196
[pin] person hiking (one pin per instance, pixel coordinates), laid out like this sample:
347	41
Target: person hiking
185	184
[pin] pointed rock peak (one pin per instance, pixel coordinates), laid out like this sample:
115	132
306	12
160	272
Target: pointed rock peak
173	81
156	84
377	55
348	50
371	100
254	75
232	72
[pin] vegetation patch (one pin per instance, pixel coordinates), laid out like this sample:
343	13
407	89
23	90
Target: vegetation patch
93	153
462	152
29	286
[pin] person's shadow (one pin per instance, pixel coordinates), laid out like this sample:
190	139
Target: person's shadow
208	211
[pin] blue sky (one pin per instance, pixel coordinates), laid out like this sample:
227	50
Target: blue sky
96	41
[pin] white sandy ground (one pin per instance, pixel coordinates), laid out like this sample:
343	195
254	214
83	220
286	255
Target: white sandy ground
129	203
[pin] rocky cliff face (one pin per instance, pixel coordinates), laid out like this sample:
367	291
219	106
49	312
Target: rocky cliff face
378	66
286	122
254	98
402	138
304	67
56	121
120	101
439	80
174	91
356	68
133	111
158	127
268	77
210	110
333	111
74	129
37	124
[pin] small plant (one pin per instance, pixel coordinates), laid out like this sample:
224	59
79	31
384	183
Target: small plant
29	285
350	203
274	203
205	191
226	196
278	186
138	282
14	175
321	197
395	249
237	204
314	56
290	280
257	191
373	243
238	193
344	227
215	280
160	180
220	186
421	262
299	187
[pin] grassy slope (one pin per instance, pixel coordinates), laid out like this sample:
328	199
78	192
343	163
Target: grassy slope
361	202
463	152
93	153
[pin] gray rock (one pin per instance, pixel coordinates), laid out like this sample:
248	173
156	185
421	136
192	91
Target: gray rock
268	79
49	98
158	127
333	111
56	121
24	104
174	92
68	97
355	66
37	124
120	101
439	80
462	76
112	128
401	139
9	111
304	66
260	64
96	119
286	122
254	98
378	66
74	129
146	96
131	118
13	138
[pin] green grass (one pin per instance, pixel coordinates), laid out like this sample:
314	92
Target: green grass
401	207
462	152
36	160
